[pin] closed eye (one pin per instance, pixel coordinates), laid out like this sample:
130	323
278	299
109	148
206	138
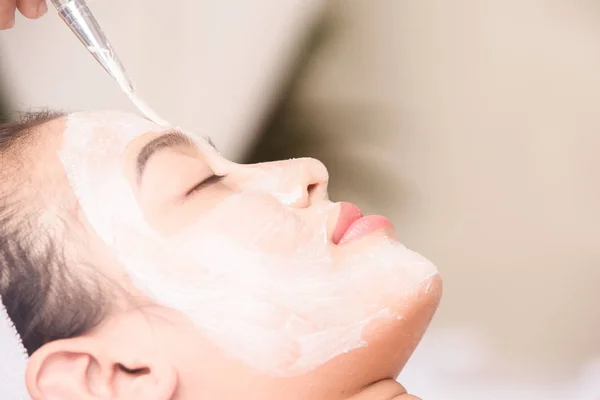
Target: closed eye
205	183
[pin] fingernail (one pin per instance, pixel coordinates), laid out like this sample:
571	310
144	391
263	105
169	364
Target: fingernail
42	8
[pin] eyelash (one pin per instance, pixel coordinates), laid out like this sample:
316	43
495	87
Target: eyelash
207	182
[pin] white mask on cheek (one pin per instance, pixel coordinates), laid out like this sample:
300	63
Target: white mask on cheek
283	312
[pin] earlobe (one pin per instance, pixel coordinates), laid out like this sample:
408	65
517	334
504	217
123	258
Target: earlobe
79	369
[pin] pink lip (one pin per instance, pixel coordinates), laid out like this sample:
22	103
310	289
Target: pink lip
353	225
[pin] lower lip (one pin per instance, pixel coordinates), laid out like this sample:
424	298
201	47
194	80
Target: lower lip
364	226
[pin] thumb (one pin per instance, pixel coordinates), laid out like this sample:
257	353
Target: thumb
7	14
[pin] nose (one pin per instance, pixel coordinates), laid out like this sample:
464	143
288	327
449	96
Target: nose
301	181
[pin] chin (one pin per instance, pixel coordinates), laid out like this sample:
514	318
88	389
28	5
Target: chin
391	343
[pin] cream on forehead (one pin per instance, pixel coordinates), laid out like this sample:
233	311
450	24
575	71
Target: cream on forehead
285	314
93	148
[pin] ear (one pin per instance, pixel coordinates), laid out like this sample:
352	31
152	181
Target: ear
81	369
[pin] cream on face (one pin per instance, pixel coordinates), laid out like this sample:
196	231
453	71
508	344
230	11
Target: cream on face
255	274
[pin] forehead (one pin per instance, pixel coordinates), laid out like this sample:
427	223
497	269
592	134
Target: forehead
64	146
97	132
102	139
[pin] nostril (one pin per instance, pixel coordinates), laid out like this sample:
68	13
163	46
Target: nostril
312	188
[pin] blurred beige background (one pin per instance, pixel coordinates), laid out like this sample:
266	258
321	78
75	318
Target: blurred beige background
474	124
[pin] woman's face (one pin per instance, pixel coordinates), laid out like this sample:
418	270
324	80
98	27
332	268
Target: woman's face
261	280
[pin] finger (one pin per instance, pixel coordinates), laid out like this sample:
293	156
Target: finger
32	8
7	14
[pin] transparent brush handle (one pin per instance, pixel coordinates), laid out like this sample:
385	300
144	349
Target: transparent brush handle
77	15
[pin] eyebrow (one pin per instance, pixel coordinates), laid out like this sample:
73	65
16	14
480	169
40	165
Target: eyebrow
166	141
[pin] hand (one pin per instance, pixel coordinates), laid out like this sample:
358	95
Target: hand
29	8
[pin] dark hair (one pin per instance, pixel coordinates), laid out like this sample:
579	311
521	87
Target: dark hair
45	298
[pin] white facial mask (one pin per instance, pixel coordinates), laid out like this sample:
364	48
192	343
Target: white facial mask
255	277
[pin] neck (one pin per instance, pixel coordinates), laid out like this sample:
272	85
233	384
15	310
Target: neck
387	389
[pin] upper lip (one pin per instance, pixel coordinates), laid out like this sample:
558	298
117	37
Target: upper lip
349	213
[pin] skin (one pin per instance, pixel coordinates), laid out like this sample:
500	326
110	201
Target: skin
145	350
32	9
